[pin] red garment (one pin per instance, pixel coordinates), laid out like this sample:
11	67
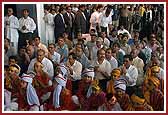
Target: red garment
22	100
12	84
157	100
125	103
94	101
82	91
40	84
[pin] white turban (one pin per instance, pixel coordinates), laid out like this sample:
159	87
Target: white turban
26	78
88	72
120	84
32	97
63	70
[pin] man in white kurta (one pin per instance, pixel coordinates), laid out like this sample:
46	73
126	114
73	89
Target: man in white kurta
49	26
11	25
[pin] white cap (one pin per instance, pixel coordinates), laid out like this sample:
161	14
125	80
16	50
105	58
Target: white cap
88	72
63	69
120	84
26	78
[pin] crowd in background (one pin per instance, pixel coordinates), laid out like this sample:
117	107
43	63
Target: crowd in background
96	57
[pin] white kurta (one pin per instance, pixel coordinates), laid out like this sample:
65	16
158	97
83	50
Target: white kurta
49	28
11	30
29	23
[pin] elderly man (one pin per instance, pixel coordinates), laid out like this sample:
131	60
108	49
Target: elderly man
102	69
48	66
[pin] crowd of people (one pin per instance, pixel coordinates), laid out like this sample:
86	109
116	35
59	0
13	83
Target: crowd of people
96	57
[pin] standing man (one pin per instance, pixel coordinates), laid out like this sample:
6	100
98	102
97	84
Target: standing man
11	25
49	26
26	28
69	19
80	20
59	24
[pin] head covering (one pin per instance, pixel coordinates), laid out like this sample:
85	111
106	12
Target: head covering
88	72
32	74
155	81
137	99
32	97
155	68
63	70
17	67
119	84
27	78
116	72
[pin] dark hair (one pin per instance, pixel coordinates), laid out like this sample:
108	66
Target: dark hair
73	55
52	44
25	10
93	30
117	43
129	57
99	6
13	57
8	40
36	37
61	9
109	96
47	8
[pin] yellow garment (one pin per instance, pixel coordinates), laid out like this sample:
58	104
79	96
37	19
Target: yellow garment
116	72
155	68
137	99
141	11
96	87
155	81
110	87
147	96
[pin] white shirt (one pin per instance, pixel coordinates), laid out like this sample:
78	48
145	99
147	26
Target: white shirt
124	31
105	67
49	20
48	66
139	64
105	21
106	42
29	23
113	62
94	19
11	30
132	75
56	57
77	69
